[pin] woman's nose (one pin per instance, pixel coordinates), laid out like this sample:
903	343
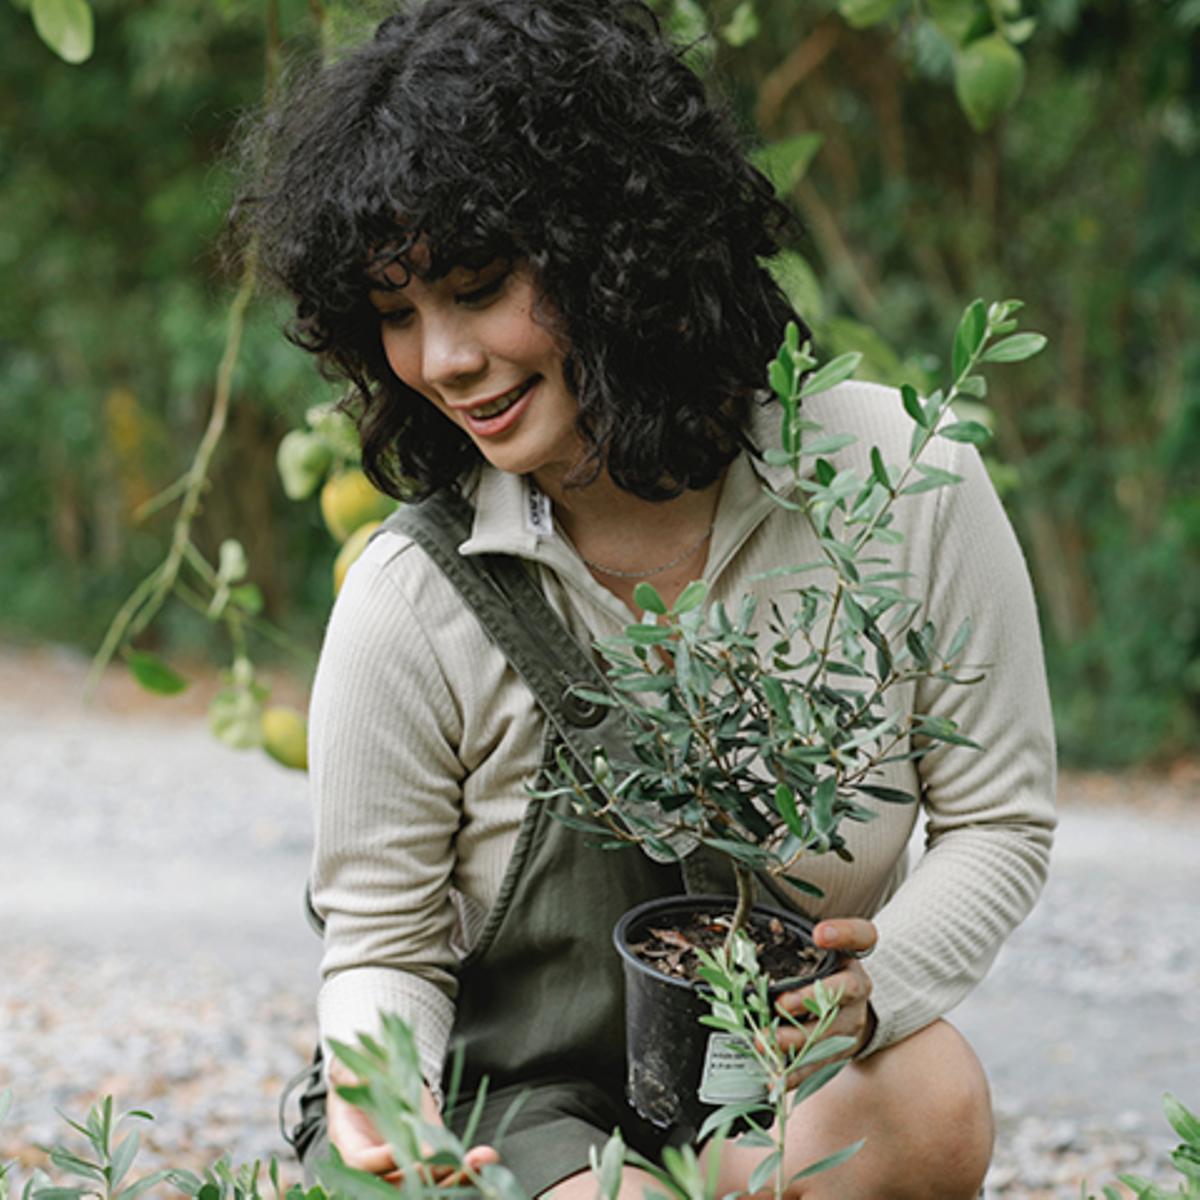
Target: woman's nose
450	352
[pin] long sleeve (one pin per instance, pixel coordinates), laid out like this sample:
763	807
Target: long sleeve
990	812
385	785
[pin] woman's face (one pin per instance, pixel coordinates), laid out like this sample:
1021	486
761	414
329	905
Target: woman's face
469	343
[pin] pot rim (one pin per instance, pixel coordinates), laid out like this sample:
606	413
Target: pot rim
691	900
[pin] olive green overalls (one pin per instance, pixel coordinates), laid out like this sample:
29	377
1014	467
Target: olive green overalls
540	998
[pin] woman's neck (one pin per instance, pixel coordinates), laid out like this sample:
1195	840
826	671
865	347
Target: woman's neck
625	540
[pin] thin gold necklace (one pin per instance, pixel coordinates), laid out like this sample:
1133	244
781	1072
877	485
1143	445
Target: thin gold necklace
653	570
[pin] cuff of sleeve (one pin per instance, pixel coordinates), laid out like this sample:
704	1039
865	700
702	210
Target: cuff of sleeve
351	1002
871	1030
897	1010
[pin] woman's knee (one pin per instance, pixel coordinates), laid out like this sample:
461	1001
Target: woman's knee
930	1110
923	1110
585	1186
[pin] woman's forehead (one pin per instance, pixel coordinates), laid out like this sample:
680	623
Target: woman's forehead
395	265
400	278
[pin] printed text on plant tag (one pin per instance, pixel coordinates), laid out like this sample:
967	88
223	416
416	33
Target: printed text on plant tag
729	1076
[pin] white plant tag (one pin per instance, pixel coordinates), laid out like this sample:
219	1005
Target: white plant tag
729	1076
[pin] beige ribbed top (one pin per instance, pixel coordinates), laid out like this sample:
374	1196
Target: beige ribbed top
422	740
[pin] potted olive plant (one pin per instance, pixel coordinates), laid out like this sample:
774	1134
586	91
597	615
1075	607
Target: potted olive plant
756	749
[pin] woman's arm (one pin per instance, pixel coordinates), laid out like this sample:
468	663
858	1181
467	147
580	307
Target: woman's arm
990	812
386	794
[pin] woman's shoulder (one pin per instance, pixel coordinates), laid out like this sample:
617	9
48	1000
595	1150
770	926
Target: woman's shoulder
395	601
873	413
393	566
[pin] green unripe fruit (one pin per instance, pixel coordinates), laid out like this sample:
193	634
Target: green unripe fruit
988	76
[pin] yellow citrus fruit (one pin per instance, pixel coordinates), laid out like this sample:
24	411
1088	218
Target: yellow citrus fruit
348	501
353	546
285	737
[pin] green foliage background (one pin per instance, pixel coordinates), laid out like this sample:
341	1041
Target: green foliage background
1083	199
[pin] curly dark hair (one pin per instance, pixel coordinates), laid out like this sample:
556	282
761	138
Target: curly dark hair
567	133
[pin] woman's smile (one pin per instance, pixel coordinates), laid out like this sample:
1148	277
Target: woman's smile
493	417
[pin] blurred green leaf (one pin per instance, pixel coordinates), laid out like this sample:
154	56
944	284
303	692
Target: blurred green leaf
122	1158
648	635
303	460
141	1186
863	13
831	1160
231	561
646	597
988	77
793	273
913	405
235	717
959	19
743	26
691	597
830	375
968	337
966	431
609	1165
1020	31
785	162
1015	349
687	23
248	597
1184	1122
66	26
154	674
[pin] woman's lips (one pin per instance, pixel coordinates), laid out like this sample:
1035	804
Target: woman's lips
501	422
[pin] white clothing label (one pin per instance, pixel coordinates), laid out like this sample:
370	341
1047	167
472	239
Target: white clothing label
538	516
729	1076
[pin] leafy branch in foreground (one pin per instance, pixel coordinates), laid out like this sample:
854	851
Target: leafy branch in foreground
743	1009
388	1089
1185	1158
105	1164
758	746
748	1024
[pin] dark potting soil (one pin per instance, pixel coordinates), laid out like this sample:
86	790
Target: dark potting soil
670	947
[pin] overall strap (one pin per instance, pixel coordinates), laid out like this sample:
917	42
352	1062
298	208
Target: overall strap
517	617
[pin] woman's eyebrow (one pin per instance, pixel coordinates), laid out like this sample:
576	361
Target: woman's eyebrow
382	299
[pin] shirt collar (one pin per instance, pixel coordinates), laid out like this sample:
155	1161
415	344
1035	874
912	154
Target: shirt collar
502	503
513	517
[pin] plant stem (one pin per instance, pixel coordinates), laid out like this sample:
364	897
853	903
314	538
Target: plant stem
198	473
112	639
137	612
745	901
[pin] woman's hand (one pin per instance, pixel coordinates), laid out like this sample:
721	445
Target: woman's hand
855	1019
362	1147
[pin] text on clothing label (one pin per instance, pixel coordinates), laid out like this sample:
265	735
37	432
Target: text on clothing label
538	516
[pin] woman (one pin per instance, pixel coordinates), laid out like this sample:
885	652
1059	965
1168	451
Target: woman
532	244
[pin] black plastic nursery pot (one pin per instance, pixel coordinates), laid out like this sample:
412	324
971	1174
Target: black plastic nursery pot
679	1071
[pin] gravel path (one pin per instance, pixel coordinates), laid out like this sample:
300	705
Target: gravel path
153	947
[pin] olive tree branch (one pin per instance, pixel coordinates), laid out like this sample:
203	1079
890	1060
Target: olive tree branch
148	597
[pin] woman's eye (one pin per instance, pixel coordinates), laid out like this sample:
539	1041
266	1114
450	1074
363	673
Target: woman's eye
484	292
395	318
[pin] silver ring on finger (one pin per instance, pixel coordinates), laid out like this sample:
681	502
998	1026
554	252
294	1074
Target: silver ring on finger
859	953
